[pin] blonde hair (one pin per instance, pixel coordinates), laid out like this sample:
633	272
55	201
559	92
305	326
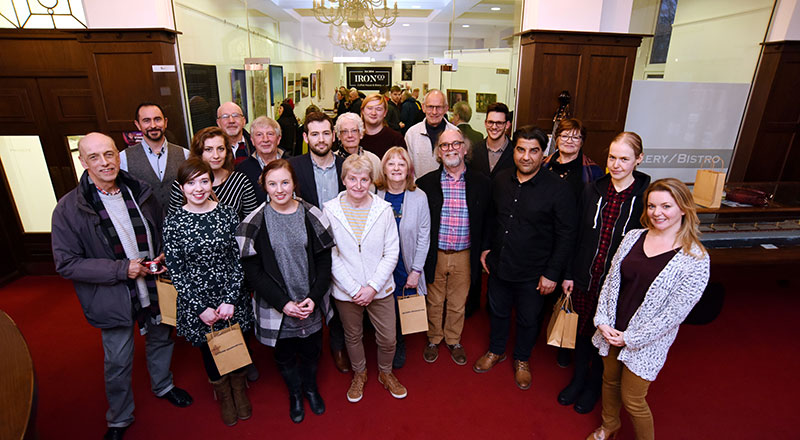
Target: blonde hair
357	164
689	232
380	180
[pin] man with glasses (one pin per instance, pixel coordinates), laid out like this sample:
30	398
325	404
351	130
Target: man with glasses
424	136
493	153
153	160
266	136
458	199
530	236
230	119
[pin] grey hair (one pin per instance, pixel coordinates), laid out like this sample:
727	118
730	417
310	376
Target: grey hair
462	110
349	117
263	122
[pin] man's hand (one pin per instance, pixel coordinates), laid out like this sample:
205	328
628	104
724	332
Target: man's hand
546	286
567	286
136	269
483	260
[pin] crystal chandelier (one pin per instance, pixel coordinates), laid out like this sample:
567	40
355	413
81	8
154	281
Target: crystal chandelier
362	39
356	13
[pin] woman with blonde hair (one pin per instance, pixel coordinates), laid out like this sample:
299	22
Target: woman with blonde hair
410	205
657	276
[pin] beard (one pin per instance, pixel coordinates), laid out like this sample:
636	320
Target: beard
154	135
320	149
452	161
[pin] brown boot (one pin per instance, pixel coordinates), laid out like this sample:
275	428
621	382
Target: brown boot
239	386
223	393
522	374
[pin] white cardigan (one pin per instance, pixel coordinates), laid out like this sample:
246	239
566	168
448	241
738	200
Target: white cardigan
372	262
421	150
654	326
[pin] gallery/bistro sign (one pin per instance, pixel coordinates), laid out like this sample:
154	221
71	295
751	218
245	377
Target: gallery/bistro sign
369	78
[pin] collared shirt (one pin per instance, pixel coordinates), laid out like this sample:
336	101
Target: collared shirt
326	181
494	156
157	161
238	144
454	225
261	163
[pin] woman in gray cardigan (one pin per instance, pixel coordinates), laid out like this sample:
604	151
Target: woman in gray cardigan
657	276
395	184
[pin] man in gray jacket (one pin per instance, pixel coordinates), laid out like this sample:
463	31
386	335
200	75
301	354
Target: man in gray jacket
102	231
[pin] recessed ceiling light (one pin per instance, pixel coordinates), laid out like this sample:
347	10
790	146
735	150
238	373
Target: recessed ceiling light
416	7
464	25
495	9
406	25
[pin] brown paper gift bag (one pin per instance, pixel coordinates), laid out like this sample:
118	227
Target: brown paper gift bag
708	185
228	348
167	297
563	325
413	313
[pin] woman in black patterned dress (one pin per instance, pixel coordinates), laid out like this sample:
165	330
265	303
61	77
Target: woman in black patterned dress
203	260
232	188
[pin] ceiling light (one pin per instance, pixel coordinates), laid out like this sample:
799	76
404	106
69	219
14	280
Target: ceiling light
416	7
495	8
406	25
464	25
355	13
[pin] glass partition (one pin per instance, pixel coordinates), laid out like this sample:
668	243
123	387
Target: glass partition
29	181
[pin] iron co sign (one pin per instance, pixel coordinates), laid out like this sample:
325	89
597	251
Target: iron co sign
369	78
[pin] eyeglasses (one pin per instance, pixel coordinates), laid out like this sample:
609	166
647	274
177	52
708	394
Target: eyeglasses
567	138
455	145
228	116
354	131
435	108
496	123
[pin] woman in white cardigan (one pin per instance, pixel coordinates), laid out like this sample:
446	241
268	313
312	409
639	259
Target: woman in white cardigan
366	253
396	185
657	276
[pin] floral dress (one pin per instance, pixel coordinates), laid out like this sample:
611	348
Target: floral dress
203	260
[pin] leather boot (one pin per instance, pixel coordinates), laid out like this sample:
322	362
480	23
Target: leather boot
291	375
223	393
594	384
583	356
239	386
308	374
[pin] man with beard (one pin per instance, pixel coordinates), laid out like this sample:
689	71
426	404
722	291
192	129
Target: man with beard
230	119
266	137
458	199
319	180
493	154
530	236
153	160
423	137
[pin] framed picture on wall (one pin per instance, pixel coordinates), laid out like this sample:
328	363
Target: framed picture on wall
319	83
455	95
239	89
313	85
260	99
290	85
484	100
407	70
297	94
304	86
276	84
203	93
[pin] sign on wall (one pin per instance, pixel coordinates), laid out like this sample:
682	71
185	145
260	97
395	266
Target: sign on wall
369	78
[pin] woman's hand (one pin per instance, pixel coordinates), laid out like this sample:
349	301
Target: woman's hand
612	335
413	280
225	311
617	340
307	307
567	286
364	296
291	308
209	316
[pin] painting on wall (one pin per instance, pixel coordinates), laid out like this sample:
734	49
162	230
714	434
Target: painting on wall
260	100
407	70
290	85
313	85
276	85
319	83
304	86
239	89
296	94
455	95
203	93
484	100
424	89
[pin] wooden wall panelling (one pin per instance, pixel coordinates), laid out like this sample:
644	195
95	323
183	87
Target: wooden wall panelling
40	52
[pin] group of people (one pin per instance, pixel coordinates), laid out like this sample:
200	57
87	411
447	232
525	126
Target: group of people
284	246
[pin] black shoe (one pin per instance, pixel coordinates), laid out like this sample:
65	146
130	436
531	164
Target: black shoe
115	433
252	373
399	356
315	401
296	411
586	401
178	397
570	394
564	357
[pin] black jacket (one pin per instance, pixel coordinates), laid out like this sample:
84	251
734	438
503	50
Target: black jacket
252	169
532	226
478	197
480	159
590	224
305	177
474	137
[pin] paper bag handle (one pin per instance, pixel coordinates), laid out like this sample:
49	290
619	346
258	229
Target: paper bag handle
214	335
713	160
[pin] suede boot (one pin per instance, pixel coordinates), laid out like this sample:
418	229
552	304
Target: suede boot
291	375
308	374
223	393
239	387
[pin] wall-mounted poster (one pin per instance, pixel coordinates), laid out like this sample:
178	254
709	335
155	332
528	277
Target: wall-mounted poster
276	84
319	83
407	70
424	89
455	95
313	85
239	89
290	85
304	86
203	93
260	100
484	100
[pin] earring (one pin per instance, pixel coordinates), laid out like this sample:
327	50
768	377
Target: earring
267	198
294	195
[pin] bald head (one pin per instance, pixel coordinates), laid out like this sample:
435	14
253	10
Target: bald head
230	118
100	158
92	139
434	106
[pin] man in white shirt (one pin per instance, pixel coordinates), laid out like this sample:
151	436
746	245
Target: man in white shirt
422	137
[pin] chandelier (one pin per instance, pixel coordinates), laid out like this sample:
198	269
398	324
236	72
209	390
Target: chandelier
362	39
356	13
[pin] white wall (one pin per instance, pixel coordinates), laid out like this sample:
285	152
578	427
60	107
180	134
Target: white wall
110	14
786	24
577	15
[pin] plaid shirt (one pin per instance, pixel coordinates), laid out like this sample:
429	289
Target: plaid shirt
454	226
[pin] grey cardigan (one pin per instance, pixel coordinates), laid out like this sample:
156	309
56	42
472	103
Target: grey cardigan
415	233
654	326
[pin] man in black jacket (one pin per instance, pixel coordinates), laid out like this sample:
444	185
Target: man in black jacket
531	234
231	119
458	199
494	153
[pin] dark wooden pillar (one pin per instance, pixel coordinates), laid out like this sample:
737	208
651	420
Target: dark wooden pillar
768	148
596	69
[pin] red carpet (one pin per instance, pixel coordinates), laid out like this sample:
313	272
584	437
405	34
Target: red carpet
733	379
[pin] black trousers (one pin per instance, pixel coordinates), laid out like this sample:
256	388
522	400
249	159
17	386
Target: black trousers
288	350
504	296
